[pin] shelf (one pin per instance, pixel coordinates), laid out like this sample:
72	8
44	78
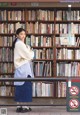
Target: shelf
46	21
35	34
77	35
76	77
68	60
40	47
42	60
67	21
36	97
31	21
11	21
40	21
44	77
6	96
4	34
51	97
6	61
55	4
34	11
6	47
57	21
44	97
58	35
6	73
68	47
28	34
7	85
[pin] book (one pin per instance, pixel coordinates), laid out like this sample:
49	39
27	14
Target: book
67	39
64	39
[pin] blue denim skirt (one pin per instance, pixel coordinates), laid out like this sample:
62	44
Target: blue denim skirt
23	93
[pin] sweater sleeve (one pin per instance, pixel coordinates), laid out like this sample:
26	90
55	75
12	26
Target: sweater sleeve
24	52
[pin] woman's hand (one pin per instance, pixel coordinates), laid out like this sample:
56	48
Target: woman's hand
28	47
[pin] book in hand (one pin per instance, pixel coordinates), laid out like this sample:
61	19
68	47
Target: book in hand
66	39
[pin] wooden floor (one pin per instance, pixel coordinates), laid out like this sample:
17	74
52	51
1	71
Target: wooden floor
57	110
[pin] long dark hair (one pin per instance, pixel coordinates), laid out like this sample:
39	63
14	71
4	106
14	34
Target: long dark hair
17	33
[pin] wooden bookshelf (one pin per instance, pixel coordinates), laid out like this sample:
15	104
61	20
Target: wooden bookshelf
44	24
68	60
68	47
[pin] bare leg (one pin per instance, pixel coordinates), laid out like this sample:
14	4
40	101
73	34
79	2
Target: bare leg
18	104
19	107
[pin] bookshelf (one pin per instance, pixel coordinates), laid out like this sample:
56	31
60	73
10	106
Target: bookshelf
44	25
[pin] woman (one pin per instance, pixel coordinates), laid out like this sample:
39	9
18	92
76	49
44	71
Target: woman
22	64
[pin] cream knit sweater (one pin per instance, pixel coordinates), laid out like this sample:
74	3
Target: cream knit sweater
22	54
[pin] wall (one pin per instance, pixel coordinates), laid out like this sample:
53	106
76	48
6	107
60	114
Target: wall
29	1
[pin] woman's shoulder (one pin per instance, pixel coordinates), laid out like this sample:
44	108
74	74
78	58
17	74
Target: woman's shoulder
19	43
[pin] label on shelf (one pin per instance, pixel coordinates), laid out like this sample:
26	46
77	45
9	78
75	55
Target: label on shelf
69	83
35	4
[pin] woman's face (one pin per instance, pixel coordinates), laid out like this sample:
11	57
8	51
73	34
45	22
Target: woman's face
22	35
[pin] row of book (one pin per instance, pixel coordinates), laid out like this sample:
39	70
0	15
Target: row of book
32	40
46	89
43	89
43	68
68	69
16	15
3	15
61	89
6	91
68	15
65	53
6	41
11	15
40	89
49	28
41	28
47	15
6	82
6	54
10	27
43	53
6	68
39	40
67	28
67	40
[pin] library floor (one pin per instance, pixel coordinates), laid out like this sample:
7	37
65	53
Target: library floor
38	110
42	111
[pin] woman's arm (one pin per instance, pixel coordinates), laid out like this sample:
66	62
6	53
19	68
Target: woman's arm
24	52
